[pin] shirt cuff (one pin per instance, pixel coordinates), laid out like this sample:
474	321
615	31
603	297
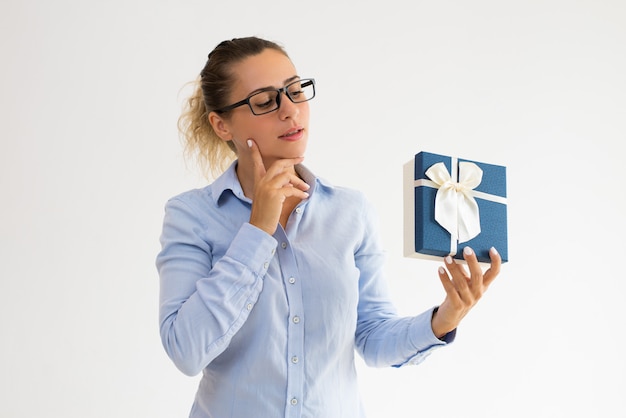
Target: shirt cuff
257	255
425	341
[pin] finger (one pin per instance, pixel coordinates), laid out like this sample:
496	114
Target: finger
285	179
297	182
281	174
476	272
459	277
494	269
448	286
257	159
290	191
455	269
284	164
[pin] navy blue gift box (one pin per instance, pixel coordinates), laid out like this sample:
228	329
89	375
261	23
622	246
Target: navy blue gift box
425	237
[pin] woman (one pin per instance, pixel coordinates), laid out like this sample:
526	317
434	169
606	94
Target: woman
272	277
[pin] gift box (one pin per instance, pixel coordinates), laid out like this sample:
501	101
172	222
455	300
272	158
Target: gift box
450	203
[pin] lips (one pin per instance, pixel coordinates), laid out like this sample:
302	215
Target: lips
293	134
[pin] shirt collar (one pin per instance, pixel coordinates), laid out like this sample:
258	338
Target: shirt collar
228	181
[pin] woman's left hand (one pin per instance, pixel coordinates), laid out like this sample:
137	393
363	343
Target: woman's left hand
463	290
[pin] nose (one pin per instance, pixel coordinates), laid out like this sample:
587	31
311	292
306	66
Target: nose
286	108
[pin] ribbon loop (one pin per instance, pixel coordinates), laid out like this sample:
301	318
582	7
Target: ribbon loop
455	207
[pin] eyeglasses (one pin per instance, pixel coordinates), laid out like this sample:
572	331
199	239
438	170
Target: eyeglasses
268	100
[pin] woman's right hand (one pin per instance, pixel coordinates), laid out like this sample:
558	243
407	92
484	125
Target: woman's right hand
272	187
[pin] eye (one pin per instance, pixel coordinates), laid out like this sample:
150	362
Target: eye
301	91
295	93
295	90
263	100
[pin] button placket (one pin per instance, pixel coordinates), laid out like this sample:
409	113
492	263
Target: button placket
295	329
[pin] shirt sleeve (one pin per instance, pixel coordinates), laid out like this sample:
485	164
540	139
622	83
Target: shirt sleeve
383	338
203	302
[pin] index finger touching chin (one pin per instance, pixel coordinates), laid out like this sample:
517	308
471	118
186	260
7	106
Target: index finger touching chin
255	152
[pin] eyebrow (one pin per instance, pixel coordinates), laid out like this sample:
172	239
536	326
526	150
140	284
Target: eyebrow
287	81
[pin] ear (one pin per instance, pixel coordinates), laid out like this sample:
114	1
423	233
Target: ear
220	126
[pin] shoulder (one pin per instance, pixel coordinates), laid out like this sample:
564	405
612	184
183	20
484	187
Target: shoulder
326	191
346	205
192	197
193	203
353	196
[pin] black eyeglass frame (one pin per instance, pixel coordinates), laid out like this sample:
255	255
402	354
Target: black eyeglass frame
305	82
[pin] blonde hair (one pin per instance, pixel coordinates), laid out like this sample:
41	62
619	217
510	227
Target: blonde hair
211	90
201	144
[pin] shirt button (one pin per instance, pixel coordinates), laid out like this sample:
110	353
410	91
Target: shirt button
284	245
273	251
266	265
292	280
298	210
294	401
294	359
249	306
296	319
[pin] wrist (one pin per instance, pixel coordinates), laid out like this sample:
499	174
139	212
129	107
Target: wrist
439	327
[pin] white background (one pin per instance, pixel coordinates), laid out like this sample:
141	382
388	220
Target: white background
89	153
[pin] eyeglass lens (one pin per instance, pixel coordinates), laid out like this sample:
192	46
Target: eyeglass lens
267	101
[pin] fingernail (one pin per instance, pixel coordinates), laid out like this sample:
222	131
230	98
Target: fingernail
249	141
467	251
493	251
448	260
442	270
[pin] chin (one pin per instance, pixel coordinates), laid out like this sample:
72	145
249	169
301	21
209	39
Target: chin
297	149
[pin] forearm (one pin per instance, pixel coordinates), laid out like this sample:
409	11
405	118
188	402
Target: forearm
197	330
399	341
203	307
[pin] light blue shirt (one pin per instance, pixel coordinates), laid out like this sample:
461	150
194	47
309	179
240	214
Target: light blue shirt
273	322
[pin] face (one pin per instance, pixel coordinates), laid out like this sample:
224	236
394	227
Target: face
282	133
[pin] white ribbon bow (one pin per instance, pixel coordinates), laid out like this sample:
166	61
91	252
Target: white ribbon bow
455	207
